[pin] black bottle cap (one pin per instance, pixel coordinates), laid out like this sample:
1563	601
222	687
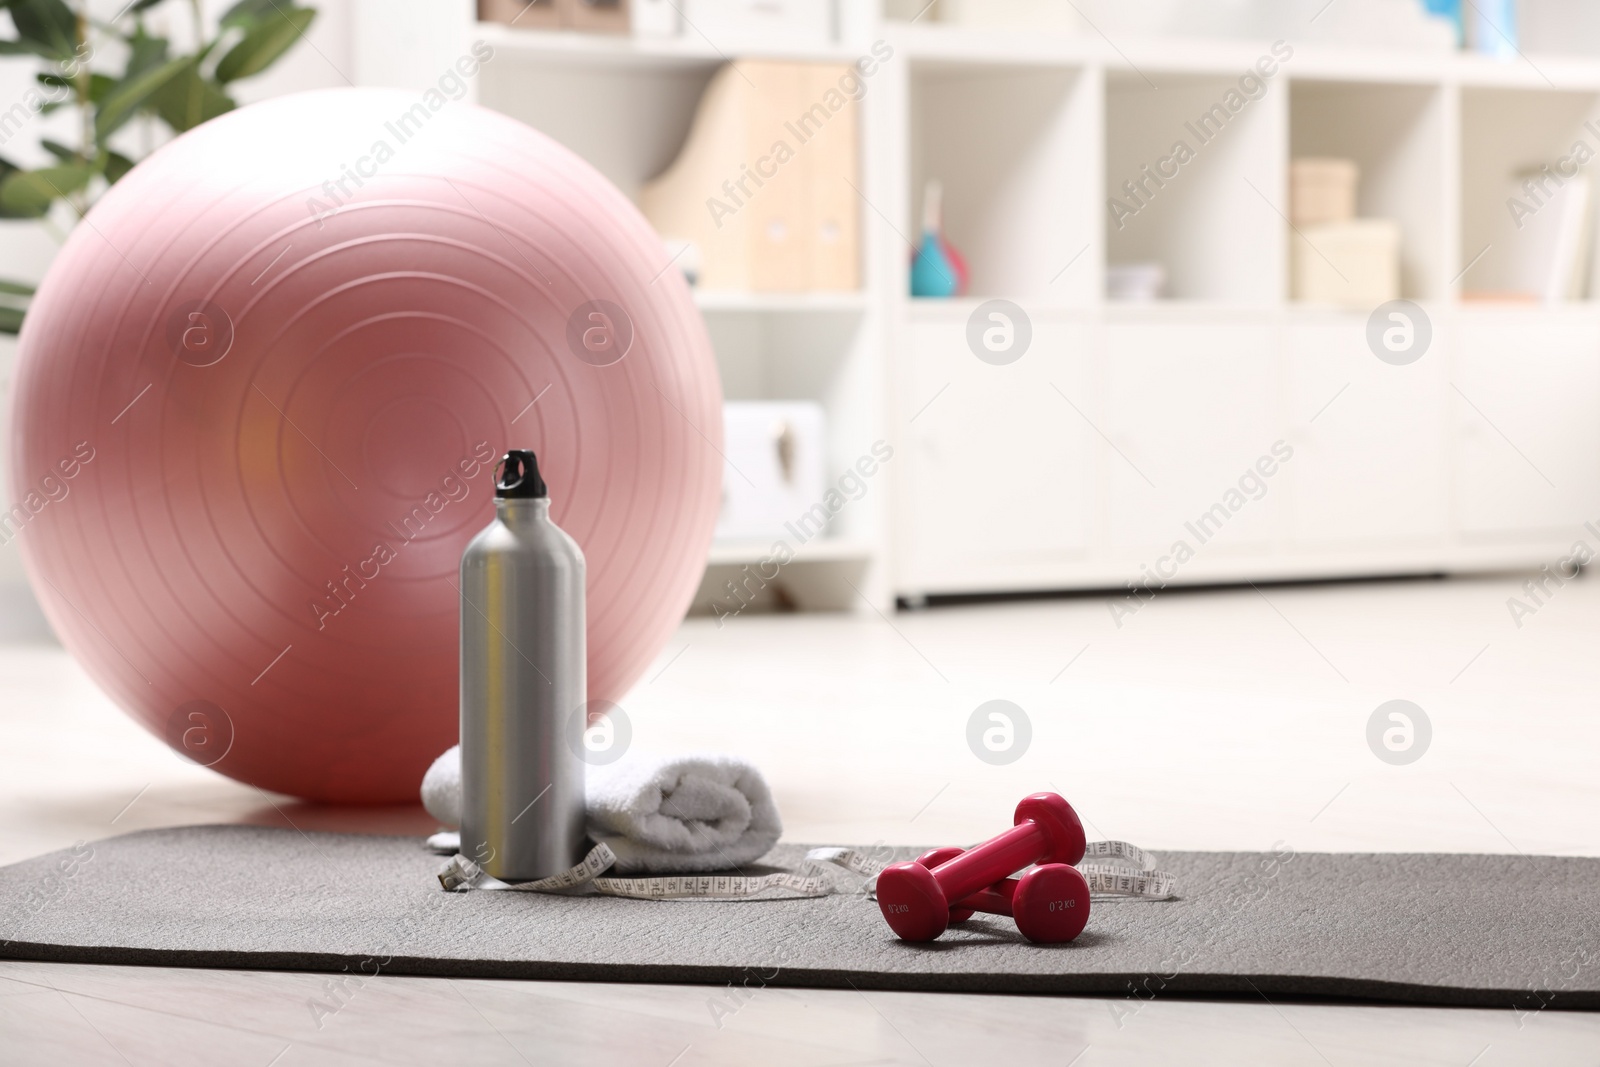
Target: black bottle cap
518	477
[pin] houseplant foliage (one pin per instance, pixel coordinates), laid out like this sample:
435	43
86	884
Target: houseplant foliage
155	83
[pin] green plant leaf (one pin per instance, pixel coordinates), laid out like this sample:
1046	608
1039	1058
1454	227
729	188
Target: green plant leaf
59	150
28	194
187	99
10	320
248	13
15	288
23	203
45	27
262	45
99	86
116	166
129	95
144	53
27	48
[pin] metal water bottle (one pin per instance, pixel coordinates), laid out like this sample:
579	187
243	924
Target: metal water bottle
523	670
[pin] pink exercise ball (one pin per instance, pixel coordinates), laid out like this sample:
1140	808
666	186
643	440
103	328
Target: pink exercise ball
259	401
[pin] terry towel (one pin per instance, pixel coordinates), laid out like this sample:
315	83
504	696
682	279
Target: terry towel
659	814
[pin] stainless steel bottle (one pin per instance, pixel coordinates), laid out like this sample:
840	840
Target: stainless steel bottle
523	670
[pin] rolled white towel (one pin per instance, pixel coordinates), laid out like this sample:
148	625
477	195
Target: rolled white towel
441	788
659	814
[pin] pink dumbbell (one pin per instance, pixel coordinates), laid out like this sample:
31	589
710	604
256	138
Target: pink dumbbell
917	901
1049	903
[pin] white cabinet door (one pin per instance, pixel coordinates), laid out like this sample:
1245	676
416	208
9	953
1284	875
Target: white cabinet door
1525	392
1372	464
1191	409
998	483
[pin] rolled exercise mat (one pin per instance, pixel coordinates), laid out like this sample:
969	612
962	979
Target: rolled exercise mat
1489	931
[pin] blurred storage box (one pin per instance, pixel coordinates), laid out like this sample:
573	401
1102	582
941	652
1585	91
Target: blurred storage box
1354	263
524	14
1322	191
774	469
596	16
1135	282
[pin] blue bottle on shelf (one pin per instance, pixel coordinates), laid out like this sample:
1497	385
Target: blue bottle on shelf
932	272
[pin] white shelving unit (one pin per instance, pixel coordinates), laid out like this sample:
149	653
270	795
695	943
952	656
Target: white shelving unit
1085	463
1079	465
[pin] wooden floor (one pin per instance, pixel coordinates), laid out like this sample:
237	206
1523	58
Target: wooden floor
121	1015
1210	720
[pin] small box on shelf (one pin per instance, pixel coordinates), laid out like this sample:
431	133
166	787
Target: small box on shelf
599	16
1322	191
524	14
594	16
773	453
1354	263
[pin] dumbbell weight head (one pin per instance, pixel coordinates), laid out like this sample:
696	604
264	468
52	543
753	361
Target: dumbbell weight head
931	859
1052	814
1051	903
912	903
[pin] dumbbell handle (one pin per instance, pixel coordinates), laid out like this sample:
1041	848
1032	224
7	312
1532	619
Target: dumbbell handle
994	900
993	861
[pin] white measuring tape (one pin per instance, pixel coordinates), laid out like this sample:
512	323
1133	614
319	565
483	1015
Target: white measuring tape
1126	872
462	874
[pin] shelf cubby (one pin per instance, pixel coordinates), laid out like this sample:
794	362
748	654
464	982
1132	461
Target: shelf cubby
1215	221
648	107
1395	134
782	354
795	353
1505	131
1013	146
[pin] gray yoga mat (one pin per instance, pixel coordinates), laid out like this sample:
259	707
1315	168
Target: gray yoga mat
1504	931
